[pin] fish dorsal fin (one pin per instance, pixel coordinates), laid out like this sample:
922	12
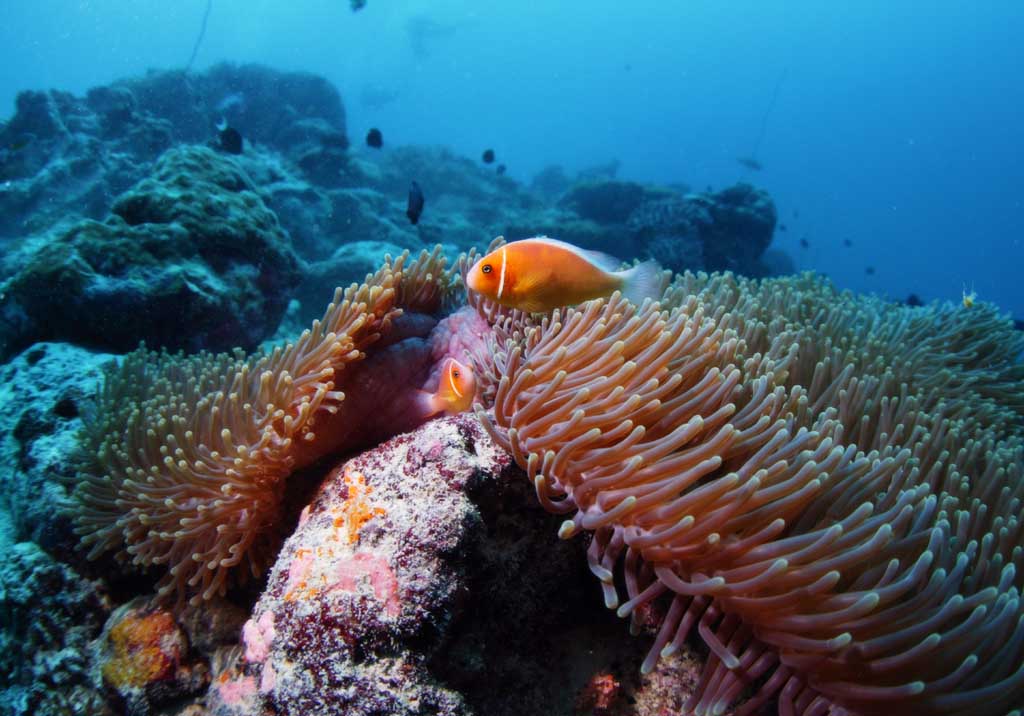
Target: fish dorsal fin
600	260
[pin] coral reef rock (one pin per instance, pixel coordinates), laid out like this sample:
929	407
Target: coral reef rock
43	392
607	202
65	156
193	245
714	231
48	617
396	594
145	659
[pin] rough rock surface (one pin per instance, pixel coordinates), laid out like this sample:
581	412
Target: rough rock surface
191	258
48	616
727	230
145	660
422	576
608	202
67	156
742	221
43	392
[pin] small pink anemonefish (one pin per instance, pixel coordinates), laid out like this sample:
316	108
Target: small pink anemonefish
540	274
456	388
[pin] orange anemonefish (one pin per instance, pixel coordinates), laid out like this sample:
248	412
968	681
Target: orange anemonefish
540	274
456	388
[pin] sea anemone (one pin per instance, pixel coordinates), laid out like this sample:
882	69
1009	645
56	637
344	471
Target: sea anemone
185	458
826	489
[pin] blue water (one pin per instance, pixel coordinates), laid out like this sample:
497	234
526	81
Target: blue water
896	125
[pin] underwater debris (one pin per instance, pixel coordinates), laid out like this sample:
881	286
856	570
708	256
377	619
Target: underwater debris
847	242
783	227
869	270
200	35
751	162
500	171
488	156
414	208
804	243
374	138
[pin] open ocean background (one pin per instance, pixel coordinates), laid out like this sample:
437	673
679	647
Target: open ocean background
896	125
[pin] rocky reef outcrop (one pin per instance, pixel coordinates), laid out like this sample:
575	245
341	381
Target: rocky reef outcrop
67	158
45	390
418	577
727	230
191	258
50	616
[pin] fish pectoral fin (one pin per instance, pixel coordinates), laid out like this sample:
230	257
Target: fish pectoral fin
528	288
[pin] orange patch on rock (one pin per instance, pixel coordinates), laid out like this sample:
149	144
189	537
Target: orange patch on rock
356	510
347	521
146	648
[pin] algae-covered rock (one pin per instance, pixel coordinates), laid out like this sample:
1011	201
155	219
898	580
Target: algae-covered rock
350	263
607	202
192	258
48	616
742	224
144	658
65	157
712	231
43	393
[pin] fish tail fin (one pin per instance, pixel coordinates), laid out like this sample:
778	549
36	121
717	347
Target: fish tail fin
645	280
428	404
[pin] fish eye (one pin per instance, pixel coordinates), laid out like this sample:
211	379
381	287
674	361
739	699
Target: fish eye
455	373
487	268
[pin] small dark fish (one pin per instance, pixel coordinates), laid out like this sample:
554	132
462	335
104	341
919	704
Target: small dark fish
914	300
501	169
750	163
796	213
374	138
488	156
1018	324
231	140
805	244
870	270
782	227
357	5
415	206
18	144
847	243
